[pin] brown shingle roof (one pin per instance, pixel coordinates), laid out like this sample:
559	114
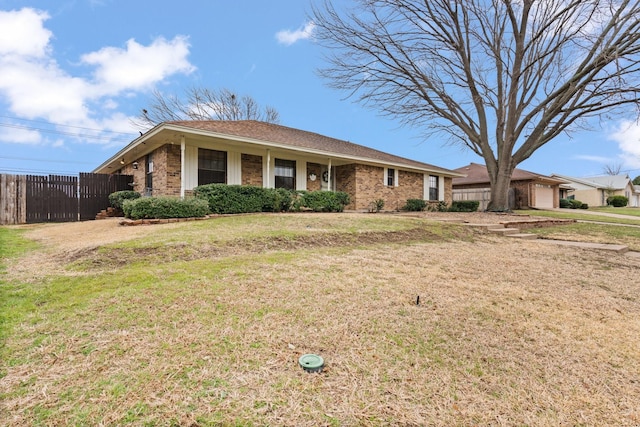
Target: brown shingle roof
296	138
477	174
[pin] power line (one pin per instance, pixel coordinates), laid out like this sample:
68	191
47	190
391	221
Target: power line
36	171
69	126
44	160
63	133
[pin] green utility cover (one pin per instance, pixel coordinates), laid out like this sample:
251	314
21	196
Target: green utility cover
311	362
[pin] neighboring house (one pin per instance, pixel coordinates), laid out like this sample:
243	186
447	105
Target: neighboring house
595	190
527	190
174	157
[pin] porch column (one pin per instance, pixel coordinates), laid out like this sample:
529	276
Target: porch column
182	165
329	187
266	180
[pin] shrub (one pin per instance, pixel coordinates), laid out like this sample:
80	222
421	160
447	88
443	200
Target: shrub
565	203
117	199
617	201
575	204
232	199
584	206
321	201
415	205
277	200
376	206
464	206
164	207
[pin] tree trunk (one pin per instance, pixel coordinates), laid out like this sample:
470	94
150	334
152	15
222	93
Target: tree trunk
500	192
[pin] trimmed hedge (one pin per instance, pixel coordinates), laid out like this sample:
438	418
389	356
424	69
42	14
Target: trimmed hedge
575	204
415	205
464	206
164	207
321	201
617	201
117	199
234	199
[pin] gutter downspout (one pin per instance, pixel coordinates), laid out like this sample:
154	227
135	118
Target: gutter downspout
182	166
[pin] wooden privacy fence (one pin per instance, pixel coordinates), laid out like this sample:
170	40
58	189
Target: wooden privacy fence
482	195
55	198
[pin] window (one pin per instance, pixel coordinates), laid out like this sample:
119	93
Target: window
434	191
148	182
285	173
212	167
391	175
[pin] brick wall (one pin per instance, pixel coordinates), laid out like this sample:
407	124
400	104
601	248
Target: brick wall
345	181
166	171
251	170
448	191
316	169
138	174
367	183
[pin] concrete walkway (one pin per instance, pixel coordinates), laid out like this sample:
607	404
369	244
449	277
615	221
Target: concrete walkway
509	230
588	212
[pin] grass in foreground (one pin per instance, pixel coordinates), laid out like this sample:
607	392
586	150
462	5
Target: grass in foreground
214	340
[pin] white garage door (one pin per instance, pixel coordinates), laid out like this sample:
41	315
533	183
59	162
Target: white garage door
544	197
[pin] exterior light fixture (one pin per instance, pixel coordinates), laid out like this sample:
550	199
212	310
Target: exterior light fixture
135	165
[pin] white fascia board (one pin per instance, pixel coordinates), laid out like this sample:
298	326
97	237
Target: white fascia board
133	144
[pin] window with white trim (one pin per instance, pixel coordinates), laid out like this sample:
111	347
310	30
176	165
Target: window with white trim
434	190
285	174
212	166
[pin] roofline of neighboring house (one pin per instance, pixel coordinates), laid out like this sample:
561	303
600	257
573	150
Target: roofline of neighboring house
114	160
534	176
583	181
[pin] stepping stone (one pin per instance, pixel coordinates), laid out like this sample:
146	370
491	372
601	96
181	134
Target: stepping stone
504	231
525	236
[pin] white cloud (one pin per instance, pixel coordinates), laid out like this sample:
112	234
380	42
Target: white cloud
627	135
139	66
19	135
288	37
597	159
23	34
35	86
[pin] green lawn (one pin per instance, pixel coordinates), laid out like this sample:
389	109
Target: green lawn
202	324
622	211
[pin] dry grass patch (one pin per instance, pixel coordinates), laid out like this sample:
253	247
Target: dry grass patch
507	333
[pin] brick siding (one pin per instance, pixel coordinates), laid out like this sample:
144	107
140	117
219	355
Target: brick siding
251	170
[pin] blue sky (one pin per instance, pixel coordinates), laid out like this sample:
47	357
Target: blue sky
73	73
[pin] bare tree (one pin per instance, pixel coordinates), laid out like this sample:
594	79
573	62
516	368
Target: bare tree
613	169
203	104
500	77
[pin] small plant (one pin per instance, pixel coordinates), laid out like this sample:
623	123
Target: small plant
415	205
117	199
376	206
575	204
321	201
617	201
464	206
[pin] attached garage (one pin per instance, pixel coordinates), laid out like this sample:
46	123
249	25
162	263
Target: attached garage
543	196
527	189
